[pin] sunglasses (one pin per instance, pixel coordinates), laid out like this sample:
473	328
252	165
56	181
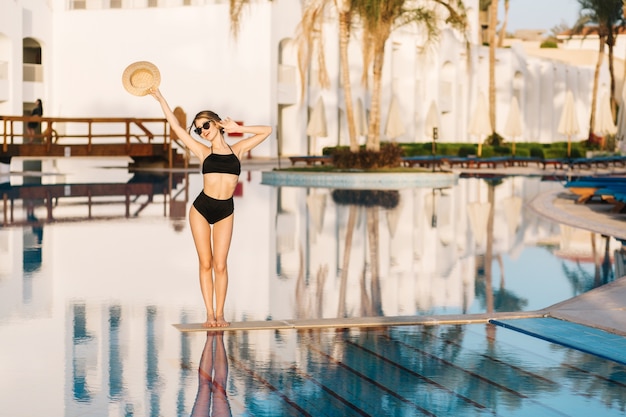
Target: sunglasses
205	126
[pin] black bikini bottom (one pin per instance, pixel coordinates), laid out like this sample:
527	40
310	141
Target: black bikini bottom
213	210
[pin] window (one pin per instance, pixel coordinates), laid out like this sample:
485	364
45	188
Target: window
78	4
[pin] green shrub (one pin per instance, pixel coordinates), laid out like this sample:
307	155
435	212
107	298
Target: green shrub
487	152
390	155
548	43
576	152
537	152
522	152
494	139
503	150
465	150
555	153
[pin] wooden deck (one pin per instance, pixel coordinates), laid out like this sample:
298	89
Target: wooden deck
145	140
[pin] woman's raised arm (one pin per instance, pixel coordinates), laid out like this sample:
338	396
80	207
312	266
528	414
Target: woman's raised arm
197	148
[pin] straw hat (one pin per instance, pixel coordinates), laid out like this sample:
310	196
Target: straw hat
140	76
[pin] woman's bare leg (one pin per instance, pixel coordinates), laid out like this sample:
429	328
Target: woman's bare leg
221	406
222	234
202	405
201	231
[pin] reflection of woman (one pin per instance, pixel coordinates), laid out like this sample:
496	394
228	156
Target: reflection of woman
31	127
212	378
211	216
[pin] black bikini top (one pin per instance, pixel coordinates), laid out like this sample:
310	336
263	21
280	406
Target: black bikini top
221	163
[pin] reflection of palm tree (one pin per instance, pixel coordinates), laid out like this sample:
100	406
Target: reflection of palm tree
341	309
372	200
212	378
489	250
500	300
374	238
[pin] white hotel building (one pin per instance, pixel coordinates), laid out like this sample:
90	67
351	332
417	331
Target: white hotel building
71	54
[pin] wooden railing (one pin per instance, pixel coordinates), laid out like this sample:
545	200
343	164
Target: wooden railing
88	131
134	129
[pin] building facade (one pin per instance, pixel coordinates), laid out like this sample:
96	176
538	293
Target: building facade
71	54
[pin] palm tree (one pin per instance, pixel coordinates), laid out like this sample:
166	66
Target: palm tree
379	18
493	20
310	38
503	28
606	15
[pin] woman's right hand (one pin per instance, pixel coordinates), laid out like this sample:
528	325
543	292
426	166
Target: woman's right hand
155	92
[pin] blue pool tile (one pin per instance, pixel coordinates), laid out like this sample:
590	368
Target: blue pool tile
573	335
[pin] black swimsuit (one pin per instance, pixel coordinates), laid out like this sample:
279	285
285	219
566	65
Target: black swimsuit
212	209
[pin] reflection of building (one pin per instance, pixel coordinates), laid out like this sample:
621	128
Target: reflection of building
426	266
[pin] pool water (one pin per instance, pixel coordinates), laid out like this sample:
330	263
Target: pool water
97	263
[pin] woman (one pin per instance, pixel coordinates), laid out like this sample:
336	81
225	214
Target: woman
32	126
211	216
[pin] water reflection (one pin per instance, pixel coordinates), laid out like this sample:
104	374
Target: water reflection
436	250
107	319
212	398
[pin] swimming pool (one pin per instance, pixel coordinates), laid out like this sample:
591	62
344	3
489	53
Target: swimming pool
92	279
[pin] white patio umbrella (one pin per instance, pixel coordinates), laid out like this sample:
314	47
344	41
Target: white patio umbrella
513	126
568	125
604	124
395	126
317	123
431	127
480	125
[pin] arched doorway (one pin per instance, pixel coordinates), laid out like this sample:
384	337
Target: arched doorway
32	77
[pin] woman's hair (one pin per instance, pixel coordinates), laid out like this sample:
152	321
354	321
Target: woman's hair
206	114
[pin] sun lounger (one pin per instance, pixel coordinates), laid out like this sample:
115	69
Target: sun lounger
587	187
557	163
427	161
474	162
311	159
523	161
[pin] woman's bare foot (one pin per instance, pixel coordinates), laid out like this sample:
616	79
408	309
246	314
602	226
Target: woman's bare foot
210	320
220	322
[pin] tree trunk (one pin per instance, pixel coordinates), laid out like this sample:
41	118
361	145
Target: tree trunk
493	21
594	92
611	43
344	40
373	134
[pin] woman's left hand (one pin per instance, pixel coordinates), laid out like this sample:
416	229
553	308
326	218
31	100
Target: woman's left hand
230	126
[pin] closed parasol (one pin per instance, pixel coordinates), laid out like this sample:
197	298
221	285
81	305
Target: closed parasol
480	125
513	126
568	125
395	125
